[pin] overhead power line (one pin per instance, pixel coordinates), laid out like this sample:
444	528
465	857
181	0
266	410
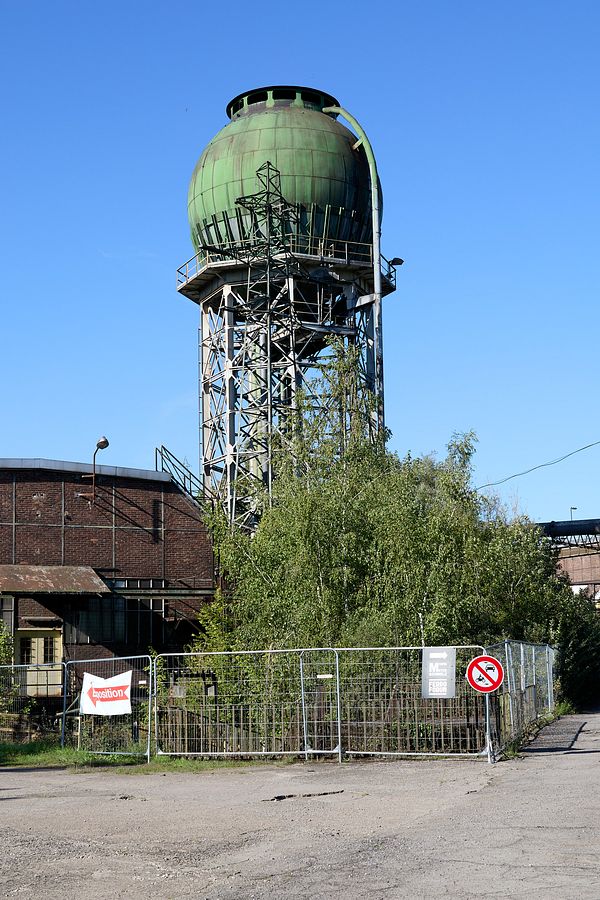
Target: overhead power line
552	462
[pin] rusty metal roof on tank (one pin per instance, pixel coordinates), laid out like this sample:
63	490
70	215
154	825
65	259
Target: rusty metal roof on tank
50	580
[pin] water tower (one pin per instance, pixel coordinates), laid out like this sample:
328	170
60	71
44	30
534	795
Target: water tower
284	208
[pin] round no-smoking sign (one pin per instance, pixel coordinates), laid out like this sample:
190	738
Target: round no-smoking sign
485	674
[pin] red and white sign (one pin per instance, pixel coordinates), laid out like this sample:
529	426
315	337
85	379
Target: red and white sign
485	674
105	696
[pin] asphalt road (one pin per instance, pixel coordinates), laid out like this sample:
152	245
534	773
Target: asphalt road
527	827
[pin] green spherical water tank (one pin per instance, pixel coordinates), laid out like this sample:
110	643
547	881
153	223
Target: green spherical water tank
322	175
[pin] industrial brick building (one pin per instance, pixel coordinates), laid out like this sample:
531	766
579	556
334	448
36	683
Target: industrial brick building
109	572
578	543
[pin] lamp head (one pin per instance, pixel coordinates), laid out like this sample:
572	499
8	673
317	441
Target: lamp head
102	443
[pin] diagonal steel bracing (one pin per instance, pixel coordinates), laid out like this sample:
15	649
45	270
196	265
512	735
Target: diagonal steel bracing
269	315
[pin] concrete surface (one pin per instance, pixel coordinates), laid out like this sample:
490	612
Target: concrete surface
527	827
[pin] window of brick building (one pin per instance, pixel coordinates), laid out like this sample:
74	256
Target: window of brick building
7	612
39	648
146	584
26	651
138	622
49	650
145	622
97	620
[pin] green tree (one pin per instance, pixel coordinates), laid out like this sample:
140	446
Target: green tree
579	653
6	645
357	547
364	548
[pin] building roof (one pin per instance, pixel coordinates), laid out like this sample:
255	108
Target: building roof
571	527
58	465
50	580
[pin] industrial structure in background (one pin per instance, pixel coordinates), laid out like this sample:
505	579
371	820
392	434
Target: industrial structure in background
578	543
285	211
98	561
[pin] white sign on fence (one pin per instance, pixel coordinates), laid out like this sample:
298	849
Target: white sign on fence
106	696
438	677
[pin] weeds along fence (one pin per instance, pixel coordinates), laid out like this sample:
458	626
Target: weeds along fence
326	702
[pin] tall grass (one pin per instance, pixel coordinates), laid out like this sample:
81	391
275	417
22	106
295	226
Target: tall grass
47	753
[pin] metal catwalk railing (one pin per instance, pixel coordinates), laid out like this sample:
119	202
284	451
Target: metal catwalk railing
345	252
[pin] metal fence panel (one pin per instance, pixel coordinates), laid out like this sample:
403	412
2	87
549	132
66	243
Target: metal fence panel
127	734
320	687
247	704
527	691
314	701
30	701
383	712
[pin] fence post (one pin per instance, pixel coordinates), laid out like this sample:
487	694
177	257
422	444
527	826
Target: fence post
155	681
488	732
534	679
510	683
304	722
549	676
339	704
523	684
64	715
150	702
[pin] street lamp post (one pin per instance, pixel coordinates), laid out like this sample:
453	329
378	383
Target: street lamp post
101	444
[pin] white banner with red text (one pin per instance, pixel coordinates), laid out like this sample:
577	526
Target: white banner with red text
106	696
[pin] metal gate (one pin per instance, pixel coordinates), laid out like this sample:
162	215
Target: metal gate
126	734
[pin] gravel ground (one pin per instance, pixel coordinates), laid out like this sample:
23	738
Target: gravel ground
528	827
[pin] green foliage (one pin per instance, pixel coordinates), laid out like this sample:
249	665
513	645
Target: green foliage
6	646
48	753
563	708
366	549
579	653
357	547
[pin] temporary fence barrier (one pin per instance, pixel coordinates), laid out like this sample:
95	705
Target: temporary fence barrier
30	701
303	702
527	692
252	703
335	701
385	714
125	733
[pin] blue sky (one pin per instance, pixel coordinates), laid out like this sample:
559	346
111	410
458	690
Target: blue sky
484	120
